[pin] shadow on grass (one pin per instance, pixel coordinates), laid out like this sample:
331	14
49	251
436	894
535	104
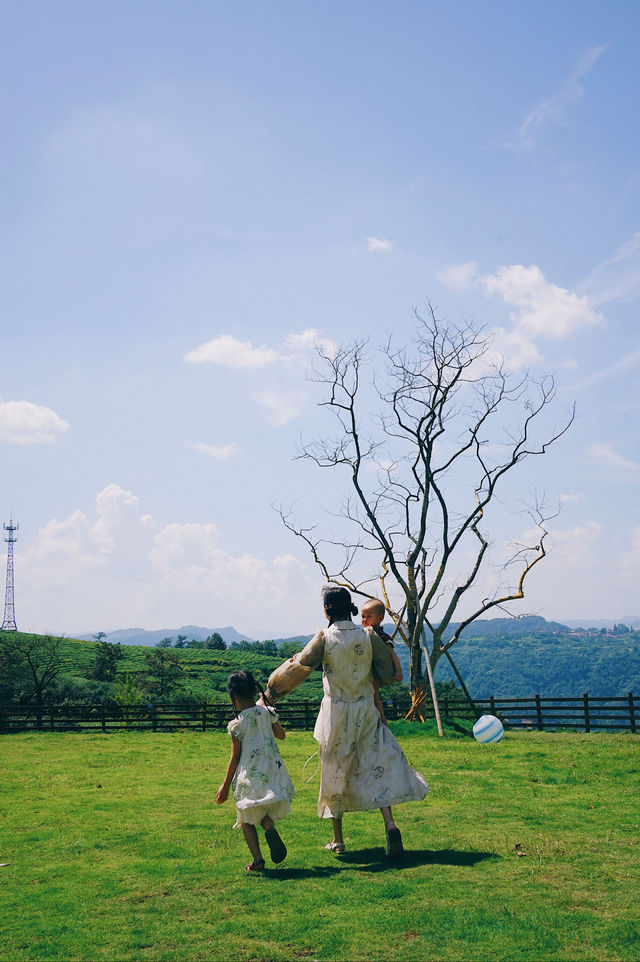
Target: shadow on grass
314	871
375	860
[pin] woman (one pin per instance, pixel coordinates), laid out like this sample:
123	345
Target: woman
362	765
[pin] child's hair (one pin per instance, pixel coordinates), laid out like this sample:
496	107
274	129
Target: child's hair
337	602
243	684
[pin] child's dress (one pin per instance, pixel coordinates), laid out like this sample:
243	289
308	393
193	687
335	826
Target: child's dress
261	785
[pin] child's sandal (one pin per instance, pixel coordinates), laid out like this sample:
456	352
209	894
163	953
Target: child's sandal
277	848
338	848
256	866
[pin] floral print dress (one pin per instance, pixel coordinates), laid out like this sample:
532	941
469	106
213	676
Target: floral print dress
261	785
363	766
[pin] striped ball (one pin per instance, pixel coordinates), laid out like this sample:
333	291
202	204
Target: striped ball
488	728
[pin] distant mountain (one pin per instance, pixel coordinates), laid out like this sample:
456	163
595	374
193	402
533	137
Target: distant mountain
140	636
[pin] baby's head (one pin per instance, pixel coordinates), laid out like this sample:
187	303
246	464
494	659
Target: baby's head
242	685
373	613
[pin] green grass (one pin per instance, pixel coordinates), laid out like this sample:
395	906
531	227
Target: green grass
116	850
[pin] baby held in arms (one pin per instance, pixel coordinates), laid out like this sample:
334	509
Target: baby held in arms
373	613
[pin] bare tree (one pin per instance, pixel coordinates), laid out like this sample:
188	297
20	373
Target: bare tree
429	441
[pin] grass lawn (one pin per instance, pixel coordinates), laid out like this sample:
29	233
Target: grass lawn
528	849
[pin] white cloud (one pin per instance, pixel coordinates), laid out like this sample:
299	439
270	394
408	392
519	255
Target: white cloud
280	406
605	454
230	352
61	551
220	451
575	545
378	245
553	109
118	511
542	309
69	551
118	568
459	277
513	348
295	345
571	496
22	422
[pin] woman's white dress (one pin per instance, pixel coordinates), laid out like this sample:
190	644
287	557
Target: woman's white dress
362	765
261	785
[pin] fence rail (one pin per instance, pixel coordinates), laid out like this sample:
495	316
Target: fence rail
584	713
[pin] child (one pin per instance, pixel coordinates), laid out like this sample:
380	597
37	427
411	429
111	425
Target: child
262	788
373	613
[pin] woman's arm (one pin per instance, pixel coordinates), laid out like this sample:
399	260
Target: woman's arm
278	730
297	669
382	662
396	664
223	792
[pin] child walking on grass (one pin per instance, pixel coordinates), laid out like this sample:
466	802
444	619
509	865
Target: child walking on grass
372	615
262	788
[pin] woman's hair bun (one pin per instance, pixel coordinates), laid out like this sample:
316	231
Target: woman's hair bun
337	601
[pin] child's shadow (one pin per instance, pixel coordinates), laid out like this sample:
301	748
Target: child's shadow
375	860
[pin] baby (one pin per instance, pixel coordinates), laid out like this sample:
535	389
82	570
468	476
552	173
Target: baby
373	613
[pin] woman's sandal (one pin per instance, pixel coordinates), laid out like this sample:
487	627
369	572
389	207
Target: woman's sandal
394	843
338	848
256	866
277	848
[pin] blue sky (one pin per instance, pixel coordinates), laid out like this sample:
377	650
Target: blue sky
189	189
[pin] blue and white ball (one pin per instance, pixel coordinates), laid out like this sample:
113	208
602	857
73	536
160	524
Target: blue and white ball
488	728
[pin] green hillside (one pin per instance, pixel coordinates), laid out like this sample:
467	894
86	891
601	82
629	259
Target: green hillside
202	673
519	657
501	657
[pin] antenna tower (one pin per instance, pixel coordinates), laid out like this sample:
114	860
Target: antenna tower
9	623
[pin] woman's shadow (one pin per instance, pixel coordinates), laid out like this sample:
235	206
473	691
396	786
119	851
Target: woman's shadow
375	860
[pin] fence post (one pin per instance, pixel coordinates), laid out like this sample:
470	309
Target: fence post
306	714
103	717
539	713
632	714
204	716
154	719
446	705
587	717
492	705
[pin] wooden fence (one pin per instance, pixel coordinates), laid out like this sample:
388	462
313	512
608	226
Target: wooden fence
584	713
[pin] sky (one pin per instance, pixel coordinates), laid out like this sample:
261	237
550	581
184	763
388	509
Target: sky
195	193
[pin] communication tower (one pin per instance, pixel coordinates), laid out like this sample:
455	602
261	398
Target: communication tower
9	622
